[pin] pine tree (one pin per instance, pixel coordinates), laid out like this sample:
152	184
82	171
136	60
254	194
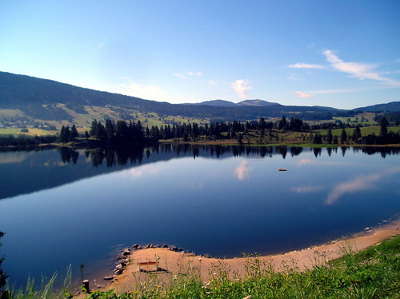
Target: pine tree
74	133
357	134
343	136
329	137
384	124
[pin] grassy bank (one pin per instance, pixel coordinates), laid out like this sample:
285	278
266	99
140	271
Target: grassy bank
372	273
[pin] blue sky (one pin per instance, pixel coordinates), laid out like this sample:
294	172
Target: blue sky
338	53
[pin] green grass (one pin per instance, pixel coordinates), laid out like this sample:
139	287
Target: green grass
372	273
31	132
364	131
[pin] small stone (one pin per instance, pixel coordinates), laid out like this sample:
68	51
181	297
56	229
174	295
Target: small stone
108	278
119	266
126	251
247	297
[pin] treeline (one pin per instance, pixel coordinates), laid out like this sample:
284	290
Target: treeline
221	130
384	137
122	132
25	141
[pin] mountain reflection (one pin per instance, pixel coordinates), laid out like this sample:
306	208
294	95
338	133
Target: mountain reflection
25	172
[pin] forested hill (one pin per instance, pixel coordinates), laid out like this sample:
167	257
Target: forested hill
28	99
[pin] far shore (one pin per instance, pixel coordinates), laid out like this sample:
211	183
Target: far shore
233	142
172	263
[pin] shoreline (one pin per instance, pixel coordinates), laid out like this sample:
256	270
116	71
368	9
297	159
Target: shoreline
145	262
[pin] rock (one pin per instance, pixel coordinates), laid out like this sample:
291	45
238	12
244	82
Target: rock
118	271
164	246
247	297
173	248
119	267
108	278
282	169
136	246
126	252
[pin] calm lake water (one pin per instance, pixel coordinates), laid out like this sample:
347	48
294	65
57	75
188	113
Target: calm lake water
62	207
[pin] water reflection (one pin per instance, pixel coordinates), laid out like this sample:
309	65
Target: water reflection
242	171
210	199
25	172
361	183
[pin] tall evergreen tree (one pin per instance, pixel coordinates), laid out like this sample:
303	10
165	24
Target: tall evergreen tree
357	134
74	133
343	136
329	137
384	126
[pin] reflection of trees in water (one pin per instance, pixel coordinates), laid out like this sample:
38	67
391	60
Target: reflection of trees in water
383	151
135	155
3	276
68	155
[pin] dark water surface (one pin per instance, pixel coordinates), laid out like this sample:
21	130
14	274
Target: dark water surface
62	207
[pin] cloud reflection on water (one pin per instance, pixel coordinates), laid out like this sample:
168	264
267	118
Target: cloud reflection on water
360	183
242	171
143	171
306	189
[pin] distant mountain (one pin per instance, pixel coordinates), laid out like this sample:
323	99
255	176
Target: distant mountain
26	100
388	107
257	103
218	103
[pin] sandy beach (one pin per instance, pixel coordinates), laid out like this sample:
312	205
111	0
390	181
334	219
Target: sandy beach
171	264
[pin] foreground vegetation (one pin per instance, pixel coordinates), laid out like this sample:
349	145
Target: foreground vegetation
372	273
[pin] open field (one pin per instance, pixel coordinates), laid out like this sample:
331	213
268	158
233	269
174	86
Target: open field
364	131
31	132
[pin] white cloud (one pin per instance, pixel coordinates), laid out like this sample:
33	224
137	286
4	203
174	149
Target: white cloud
311	93
306	66
357	70
188	75
303	94
145	91
212	82
241	87
195	74
242	171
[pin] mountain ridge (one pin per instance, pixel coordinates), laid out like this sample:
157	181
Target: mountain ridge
30	98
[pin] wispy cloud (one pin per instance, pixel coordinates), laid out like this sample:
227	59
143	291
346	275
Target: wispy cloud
306	66
242	171
357	70
145	91
303	94
187	75
212	82
311	93
361	183
241	87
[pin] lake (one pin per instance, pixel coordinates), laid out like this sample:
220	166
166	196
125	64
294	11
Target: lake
64	207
